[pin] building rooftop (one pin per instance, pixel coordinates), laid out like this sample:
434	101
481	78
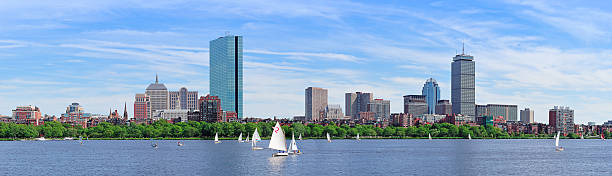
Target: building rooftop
156	85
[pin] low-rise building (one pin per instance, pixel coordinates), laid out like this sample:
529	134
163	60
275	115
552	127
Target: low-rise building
27	115
401	119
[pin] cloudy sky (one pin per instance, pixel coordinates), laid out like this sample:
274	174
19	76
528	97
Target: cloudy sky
534	54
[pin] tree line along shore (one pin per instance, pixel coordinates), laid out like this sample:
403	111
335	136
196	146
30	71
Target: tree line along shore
231	130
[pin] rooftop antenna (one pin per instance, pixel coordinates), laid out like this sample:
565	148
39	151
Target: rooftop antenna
156	78
462	48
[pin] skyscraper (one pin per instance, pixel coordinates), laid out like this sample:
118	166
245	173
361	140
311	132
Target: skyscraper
415	105
357	102
316	101
463	95
158	97
226	72
381	109
527	116
431	90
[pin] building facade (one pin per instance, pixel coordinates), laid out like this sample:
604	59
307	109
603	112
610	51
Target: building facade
444	107
415	105
226	72
174	115
141	106
463	92
333	112
27	115
210	109
431	91
527	116
401	119
158	97
357	102
75	115
381	109
561	119
183	99
315	101
508	112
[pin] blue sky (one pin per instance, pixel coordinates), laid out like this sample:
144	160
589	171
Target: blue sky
535	54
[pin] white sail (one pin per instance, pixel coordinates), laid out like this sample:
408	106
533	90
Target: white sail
256	136
469	136
278	141
240	138
300	137
358	136
557	139
429	136
293	145
247	139
328	138
581	136
216	137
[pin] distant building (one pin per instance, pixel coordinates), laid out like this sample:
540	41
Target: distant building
333	112
431	118
595	123
366	117
608	123
158	97
316	101
509	112
401	119
141	107
431	91
299	118
27	115
415	105
357	102
463	93
444	107
381	109
561	119
210	109
75	115
527	116
183	99
226	72
174	115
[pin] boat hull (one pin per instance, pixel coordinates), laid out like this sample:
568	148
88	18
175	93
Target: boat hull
280	154
257	148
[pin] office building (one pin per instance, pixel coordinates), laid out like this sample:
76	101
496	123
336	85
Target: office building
210	109
527	116
444	107
431	91
508	112
158	97
141	106
183	99
561	119
415	105
315	101
226	72
381	109
463	95
355	103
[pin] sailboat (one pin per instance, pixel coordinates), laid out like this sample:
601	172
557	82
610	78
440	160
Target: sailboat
358	137
602	137
255	139
328	138
247	139
154	145
557	142
429	136
217	138
581	136
469	137
278	141
240	138
179	143
81	140
41	139
293	146
300	137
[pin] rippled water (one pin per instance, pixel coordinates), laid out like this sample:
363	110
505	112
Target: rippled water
341	157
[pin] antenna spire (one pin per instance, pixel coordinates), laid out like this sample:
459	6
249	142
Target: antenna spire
462	48
156	81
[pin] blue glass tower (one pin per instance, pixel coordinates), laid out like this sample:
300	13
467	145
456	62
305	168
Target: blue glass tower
431	91
226	72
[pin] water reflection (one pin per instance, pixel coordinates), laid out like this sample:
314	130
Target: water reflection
275	164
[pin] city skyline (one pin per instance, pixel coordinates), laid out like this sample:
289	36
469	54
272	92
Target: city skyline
55	59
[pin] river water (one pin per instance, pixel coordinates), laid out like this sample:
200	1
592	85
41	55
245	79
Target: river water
340	157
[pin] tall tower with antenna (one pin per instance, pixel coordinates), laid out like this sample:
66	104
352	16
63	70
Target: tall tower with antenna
463	83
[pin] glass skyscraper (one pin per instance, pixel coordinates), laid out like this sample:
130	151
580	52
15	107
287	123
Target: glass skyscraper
463	95
226	72
431	91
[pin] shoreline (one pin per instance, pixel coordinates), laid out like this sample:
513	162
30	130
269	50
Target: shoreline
267	138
